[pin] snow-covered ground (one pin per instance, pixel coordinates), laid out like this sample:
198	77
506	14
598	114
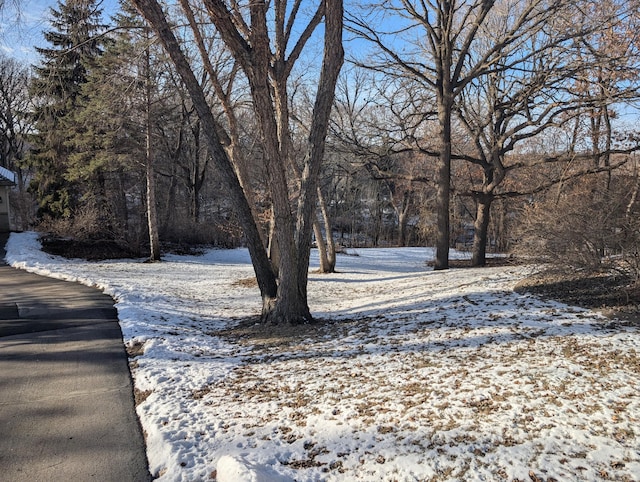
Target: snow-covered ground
412	375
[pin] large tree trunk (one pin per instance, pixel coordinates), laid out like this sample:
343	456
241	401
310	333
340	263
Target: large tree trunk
331	65
290	304
443	176
272	245
286	300
481	228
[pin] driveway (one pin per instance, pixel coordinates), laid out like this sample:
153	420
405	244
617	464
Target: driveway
66	398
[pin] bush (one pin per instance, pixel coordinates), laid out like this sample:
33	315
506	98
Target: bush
590	225
222	234
88	223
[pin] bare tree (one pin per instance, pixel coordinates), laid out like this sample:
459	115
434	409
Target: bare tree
14	106
246	33
15	3
444	50
15	125
381	124
152	216
507	106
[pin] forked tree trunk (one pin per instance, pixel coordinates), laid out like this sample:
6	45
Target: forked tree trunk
290	303
294	309
284	301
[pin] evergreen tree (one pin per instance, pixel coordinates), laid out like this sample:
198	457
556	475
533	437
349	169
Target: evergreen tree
101	140
107	136
122	118
75	43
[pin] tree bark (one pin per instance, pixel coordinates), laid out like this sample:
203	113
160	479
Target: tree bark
443	173
329	242
331	65
152	213
272	245
284	301
481	227
152	217
322	248
326	248
290	305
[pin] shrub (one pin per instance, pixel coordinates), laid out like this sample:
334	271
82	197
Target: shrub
590	224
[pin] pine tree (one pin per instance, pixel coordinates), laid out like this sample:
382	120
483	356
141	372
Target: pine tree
116	118
75	43
107	136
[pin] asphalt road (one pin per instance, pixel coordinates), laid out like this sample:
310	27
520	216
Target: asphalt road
66	397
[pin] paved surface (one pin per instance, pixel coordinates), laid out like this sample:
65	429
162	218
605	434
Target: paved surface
66	397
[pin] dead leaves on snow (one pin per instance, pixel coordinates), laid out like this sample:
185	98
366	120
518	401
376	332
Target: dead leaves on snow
425	390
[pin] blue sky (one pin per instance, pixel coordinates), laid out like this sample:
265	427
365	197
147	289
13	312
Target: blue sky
21	28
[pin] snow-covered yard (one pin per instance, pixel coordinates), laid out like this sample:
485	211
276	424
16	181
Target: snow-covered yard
411	375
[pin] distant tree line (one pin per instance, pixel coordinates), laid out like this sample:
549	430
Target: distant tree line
470	124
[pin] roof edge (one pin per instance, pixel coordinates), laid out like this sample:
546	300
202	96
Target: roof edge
7	176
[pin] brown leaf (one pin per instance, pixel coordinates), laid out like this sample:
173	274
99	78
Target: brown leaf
534	477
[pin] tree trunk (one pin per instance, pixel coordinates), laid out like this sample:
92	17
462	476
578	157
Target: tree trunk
402	228
272	245
608	141
195	204
120	206
331	66
195	179
402	212
443	176
481	228
288	304
152	216
170	203
322	248
328	259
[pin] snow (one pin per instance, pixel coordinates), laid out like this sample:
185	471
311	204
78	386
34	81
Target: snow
8	175
413	374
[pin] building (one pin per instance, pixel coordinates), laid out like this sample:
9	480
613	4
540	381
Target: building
7	181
